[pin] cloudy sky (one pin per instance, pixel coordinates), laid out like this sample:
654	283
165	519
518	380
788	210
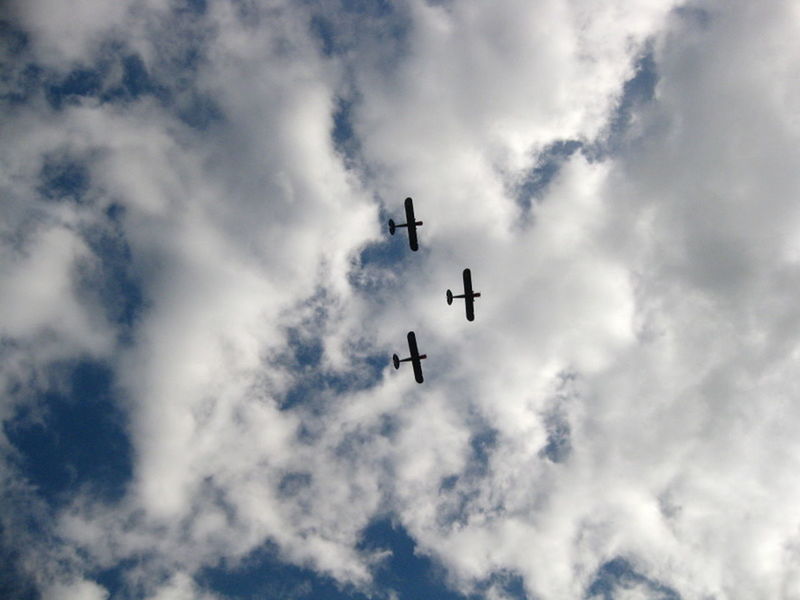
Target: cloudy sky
199	299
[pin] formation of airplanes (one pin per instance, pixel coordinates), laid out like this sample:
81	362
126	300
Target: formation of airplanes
469	294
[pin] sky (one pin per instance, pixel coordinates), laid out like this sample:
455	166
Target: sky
199	300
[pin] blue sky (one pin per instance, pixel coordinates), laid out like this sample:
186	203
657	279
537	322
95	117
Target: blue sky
200	300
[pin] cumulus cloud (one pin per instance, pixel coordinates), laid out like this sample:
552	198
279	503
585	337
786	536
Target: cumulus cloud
618	420
181	587
80	590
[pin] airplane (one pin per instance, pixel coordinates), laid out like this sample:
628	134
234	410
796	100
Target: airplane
415	358
468	295
410	223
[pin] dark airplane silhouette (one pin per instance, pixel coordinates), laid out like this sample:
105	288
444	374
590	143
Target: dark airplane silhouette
468	295
415	358
410	223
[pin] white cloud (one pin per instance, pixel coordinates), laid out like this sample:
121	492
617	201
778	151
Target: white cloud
181	587
77	590
66	33
647	298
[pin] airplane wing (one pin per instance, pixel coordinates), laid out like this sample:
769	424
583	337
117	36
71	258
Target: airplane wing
469	304
409	204
412	345
467	274
469	297
412	237
416	362
412	225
